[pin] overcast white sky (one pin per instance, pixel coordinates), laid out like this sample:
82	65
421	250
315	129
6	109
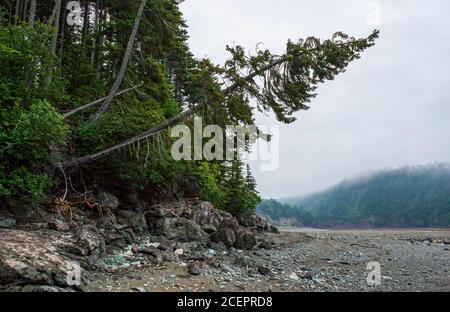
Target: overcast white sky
391	108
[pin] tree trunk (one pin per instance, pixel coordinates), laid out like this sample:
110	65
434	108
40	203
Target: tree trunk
94	41
57	23
24	10
63	32
51	19
16	13
54	41
86	21
102	18
32	16
124	66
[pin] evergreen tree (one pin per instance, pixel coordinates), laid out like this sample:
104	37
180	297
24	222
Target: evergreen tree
128	64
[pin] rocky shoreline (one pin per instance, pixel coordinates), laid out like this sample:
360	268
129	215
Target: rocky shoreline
45	256
298	262
189	246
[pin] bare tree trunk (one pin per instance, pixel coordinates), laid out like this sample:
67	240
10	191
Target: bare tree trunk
57	23
16	13
102	18
86	21
25	9
94	41
124	66
10	13
32	16
51	19
54	41
63	32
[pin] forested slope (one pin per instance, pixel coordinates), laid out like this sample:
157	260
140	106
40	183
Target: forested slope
90	89
410	196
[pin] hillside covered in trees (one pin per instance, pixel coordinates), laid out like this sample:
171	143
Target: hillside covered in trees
406	197
90	89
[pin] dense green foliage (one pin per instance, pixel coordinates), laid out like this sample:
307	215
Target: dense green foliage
410	197
50	67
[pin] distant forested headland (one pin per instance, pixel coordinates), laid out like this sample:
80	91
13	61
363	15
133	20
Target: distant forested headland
416	196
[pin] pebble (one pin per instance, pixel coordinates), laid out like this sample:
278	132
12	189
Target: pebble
294	277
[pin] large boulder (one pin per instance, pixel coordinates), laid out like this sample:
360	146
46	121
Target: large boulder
256	222
227	232
180	230
245	240
205	215
224	235
232	234
134	219
89	241
37	258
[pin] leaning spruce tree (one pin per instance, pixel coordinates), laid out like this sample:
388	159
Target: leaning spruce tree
283	84
134	68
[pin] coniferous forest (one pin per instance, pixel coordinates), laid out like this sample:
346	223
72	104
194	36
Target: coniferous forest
407	197
90	89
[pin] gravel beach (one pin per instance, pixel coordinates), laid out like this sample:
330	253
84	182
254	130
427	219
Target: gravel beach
298	260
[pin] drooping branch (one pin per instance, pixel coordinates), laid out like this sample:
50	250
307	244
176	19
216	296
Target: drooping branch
104	107
314	70
96	102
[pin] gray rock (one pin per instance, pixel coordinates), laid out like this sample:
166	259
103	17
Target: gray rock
245	240
308	276
7	222
111	236
181	230
38	289
257	222
166	245
226	236
135	220
107	223
195	268
169	256
209	229
89	240
205	215
36	258
58	225
108	200
265	244
264	270
227	232
188	248
243	261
